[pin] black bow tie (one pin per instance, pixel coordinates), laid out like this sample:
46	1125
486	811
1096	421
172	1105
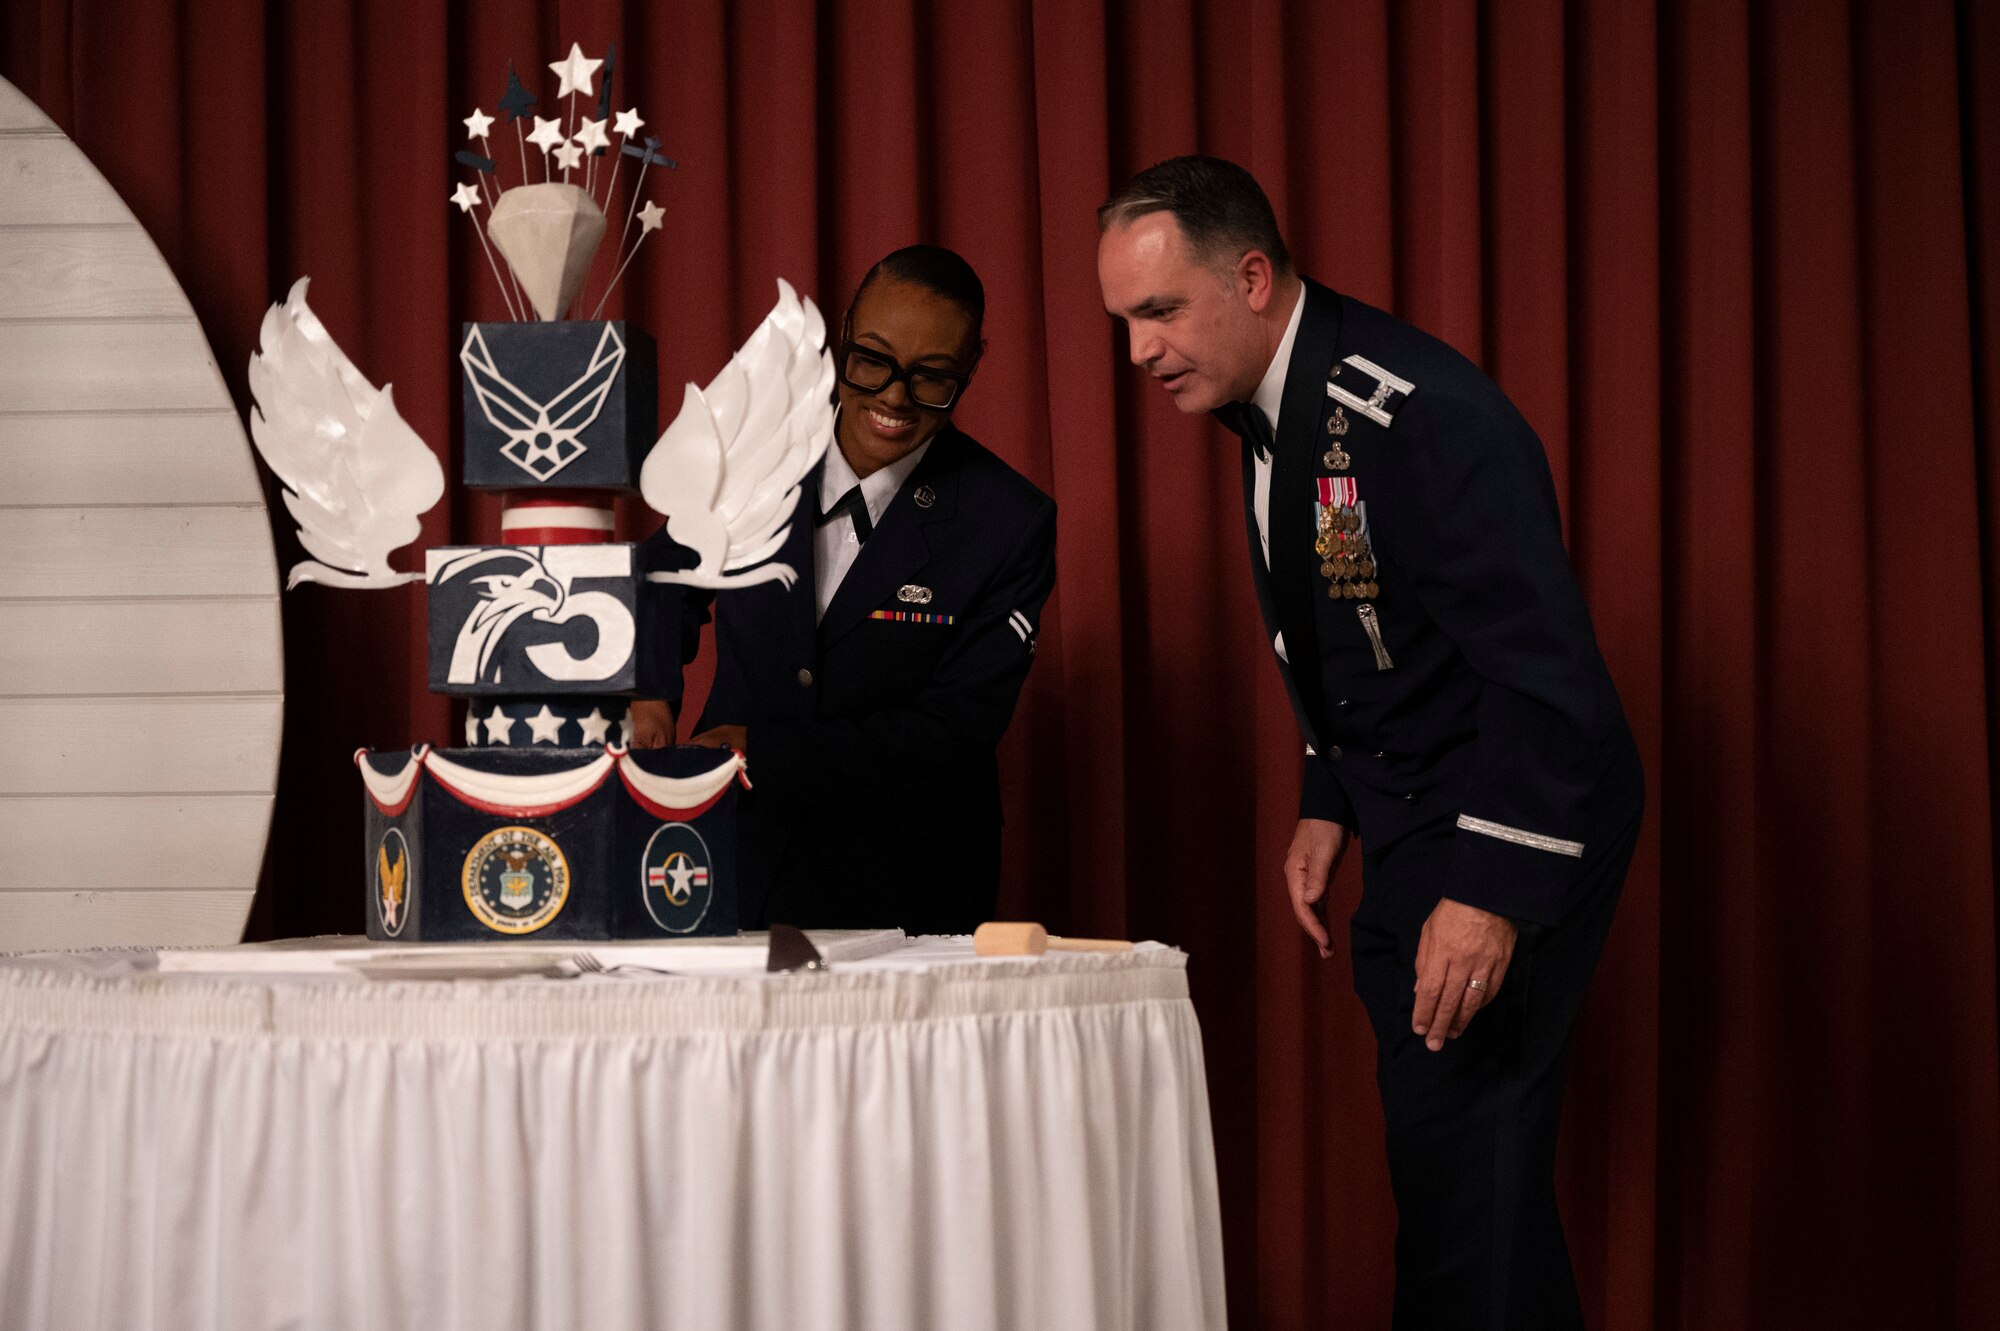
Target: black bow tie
856	509
1249	423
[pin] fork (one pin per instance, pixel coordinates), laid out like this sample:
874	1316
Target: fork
587	963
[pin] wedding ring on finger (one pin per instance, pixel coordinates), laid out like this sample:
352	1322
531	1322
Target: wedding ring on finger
1479	985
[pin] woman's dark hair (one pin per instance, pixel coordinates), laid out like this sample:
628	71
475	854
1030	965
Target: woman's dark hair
938	270
1221	209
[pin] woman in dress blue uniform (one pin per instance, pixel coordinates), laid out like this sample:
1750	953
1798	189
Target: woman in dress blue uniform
870	696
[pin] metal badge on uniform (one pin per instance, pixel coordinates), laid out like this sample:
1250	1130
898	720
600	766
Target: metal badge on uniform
914	594
925	496
1337	458
1388	394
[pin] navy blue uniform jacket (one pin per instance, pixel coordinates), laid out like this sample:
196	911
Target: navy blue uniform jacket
875	796
1495	710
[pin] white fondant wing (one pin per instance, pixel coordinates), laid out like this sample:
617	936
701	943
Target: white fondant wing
726	473
356	476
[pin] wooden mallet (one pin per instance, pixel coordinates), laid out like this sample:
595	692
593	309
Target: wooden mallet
997	938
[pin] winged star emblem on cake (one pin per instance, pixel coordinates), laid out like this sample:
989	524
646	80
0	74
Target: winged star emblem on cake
541	436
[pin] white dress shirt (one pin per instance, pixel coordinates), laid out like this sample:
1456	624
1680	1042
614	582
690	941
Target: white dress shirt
1268	398
836	544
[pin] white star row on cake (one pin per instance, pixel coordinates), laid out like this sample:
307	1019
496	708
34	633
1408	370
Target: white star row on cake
546	727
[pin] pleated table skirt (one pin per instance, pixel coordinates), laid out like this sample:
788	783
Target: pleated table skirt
923	1141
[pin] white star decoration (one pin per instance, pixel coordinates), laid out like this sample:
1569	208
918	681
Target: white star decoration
650	216
477	124
596	727
590	133
499	727
575	72
548	133
627	123
465	196
471	726
546	725
624	734
569	157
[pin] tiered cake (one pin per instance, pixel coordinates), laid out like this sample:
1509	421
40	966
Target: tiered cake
545	823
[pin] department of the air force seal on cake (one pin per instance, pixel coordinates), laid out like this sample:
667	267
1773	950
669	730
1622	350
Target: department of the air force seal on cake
516	880
676	878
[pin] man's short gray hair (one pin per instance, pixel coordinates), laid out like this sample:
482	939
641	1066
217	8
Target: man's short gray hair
1220	207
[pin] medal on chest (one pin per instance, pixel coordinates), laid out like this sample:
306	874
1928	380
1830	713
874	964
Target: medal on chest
1346	561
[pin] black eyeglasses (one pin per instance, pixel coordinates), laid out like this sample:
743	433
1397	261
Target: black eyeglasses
867	371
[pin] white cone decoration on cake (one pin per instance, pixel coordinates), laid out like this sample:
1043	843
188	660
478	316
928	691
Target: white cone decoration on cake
548	234
726	473
356	476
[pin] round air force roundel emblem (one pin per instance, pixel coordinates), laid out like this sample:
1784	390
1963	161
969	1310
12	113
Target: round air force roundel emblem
516	880
676	879
392	882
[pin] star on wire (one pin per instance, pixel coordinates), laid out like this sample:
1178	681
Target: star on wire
569	157
575	72
465	196
649	222
627	123
590	134
477	124
548	133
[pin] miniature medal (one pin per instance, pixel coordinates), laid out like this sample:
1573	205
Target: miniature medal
1342	546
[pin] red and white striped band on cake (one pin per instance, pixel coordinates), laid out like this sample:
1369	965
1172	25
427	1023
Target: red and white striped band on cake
556	517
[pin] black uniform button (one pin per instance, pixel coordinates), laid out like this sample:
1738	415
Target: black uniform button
1410	797
1334	753
1343	704
1381	753
805	677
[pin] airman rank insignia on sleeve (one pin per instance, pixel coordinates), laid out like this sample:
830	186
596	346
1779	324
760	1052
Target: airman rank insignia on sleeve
1385	392
1021	625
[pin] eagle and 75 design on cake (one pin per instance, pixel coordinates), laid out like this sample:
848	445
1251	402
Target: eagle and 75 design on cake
545	822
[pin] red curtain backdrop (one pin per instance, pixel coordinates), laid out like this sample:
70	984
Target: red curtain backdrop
1740	265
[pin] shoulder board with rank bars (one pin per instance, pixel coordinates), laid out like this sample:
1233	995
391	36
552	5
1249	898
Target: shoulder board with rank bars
1369	389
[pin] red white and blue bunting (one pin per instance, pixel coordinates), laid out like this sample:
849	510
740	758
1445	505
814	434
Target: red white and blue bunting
676	798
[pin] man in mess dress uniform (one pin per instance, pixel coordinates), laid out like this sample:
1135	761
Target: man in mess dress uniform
1457	716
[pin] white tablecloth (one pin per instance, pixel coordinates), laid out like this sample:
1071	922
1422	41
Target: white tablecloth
920	1140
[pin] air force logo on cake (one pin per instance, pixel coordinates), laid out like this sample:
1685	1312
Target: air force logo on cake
516	880
676	879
